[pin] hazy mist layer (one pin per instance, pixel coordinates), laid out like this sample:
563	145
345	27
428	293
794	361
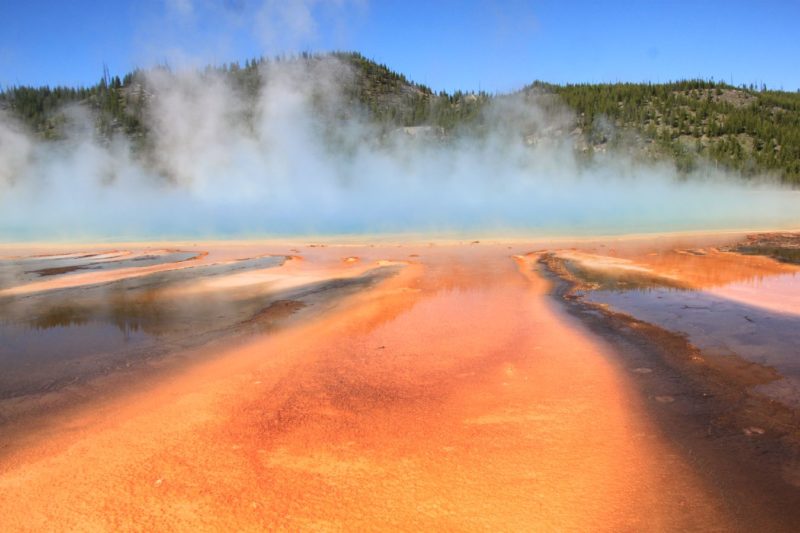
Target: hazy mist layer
304	162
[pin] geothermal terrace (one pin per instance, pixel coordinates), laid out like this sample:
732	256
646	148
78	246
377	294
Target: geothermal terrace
614	384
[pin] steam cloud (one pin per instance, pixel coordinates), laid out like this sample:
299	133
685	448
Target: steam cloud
302	162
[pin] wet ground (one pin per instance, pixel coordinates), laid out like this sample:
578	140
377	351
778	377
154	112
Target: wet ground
17	270
732	304
401	386
725	328
155	303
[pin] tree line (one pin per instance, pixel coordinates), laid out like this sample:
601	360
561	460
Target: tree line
746	129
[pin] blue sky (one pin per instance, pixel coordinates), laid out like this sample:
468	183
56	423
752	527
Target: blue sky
470	45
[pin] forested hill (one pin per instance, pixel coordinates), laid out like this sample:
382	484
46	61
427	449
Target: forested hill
750	130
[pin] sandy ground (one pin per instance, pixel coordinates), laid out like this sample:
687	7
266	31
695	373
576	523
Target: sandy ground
452	396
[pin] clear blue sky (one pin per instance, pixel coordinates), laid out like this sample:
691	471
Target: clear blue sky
495	46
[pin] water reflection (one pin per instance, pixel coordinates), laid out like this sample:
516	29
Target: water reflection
53	337
722	325
620	280
16	271
58	336
41	359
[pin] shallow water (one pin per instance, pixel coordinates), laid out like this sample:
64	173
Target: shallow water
778	293
40	359
58	335
55	337
749	319
14	271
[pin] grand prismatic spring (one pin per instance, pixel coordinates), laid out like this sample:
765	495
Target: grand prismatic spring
445	385
250	282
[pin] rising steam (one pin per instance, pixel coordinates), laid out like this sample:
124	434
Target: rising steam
304	161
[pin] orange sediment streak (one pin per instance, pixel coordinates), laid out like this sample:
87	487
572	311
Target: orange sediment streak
451	396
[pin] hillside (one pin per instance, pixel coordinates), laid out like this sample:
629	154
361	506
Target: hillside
745	129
